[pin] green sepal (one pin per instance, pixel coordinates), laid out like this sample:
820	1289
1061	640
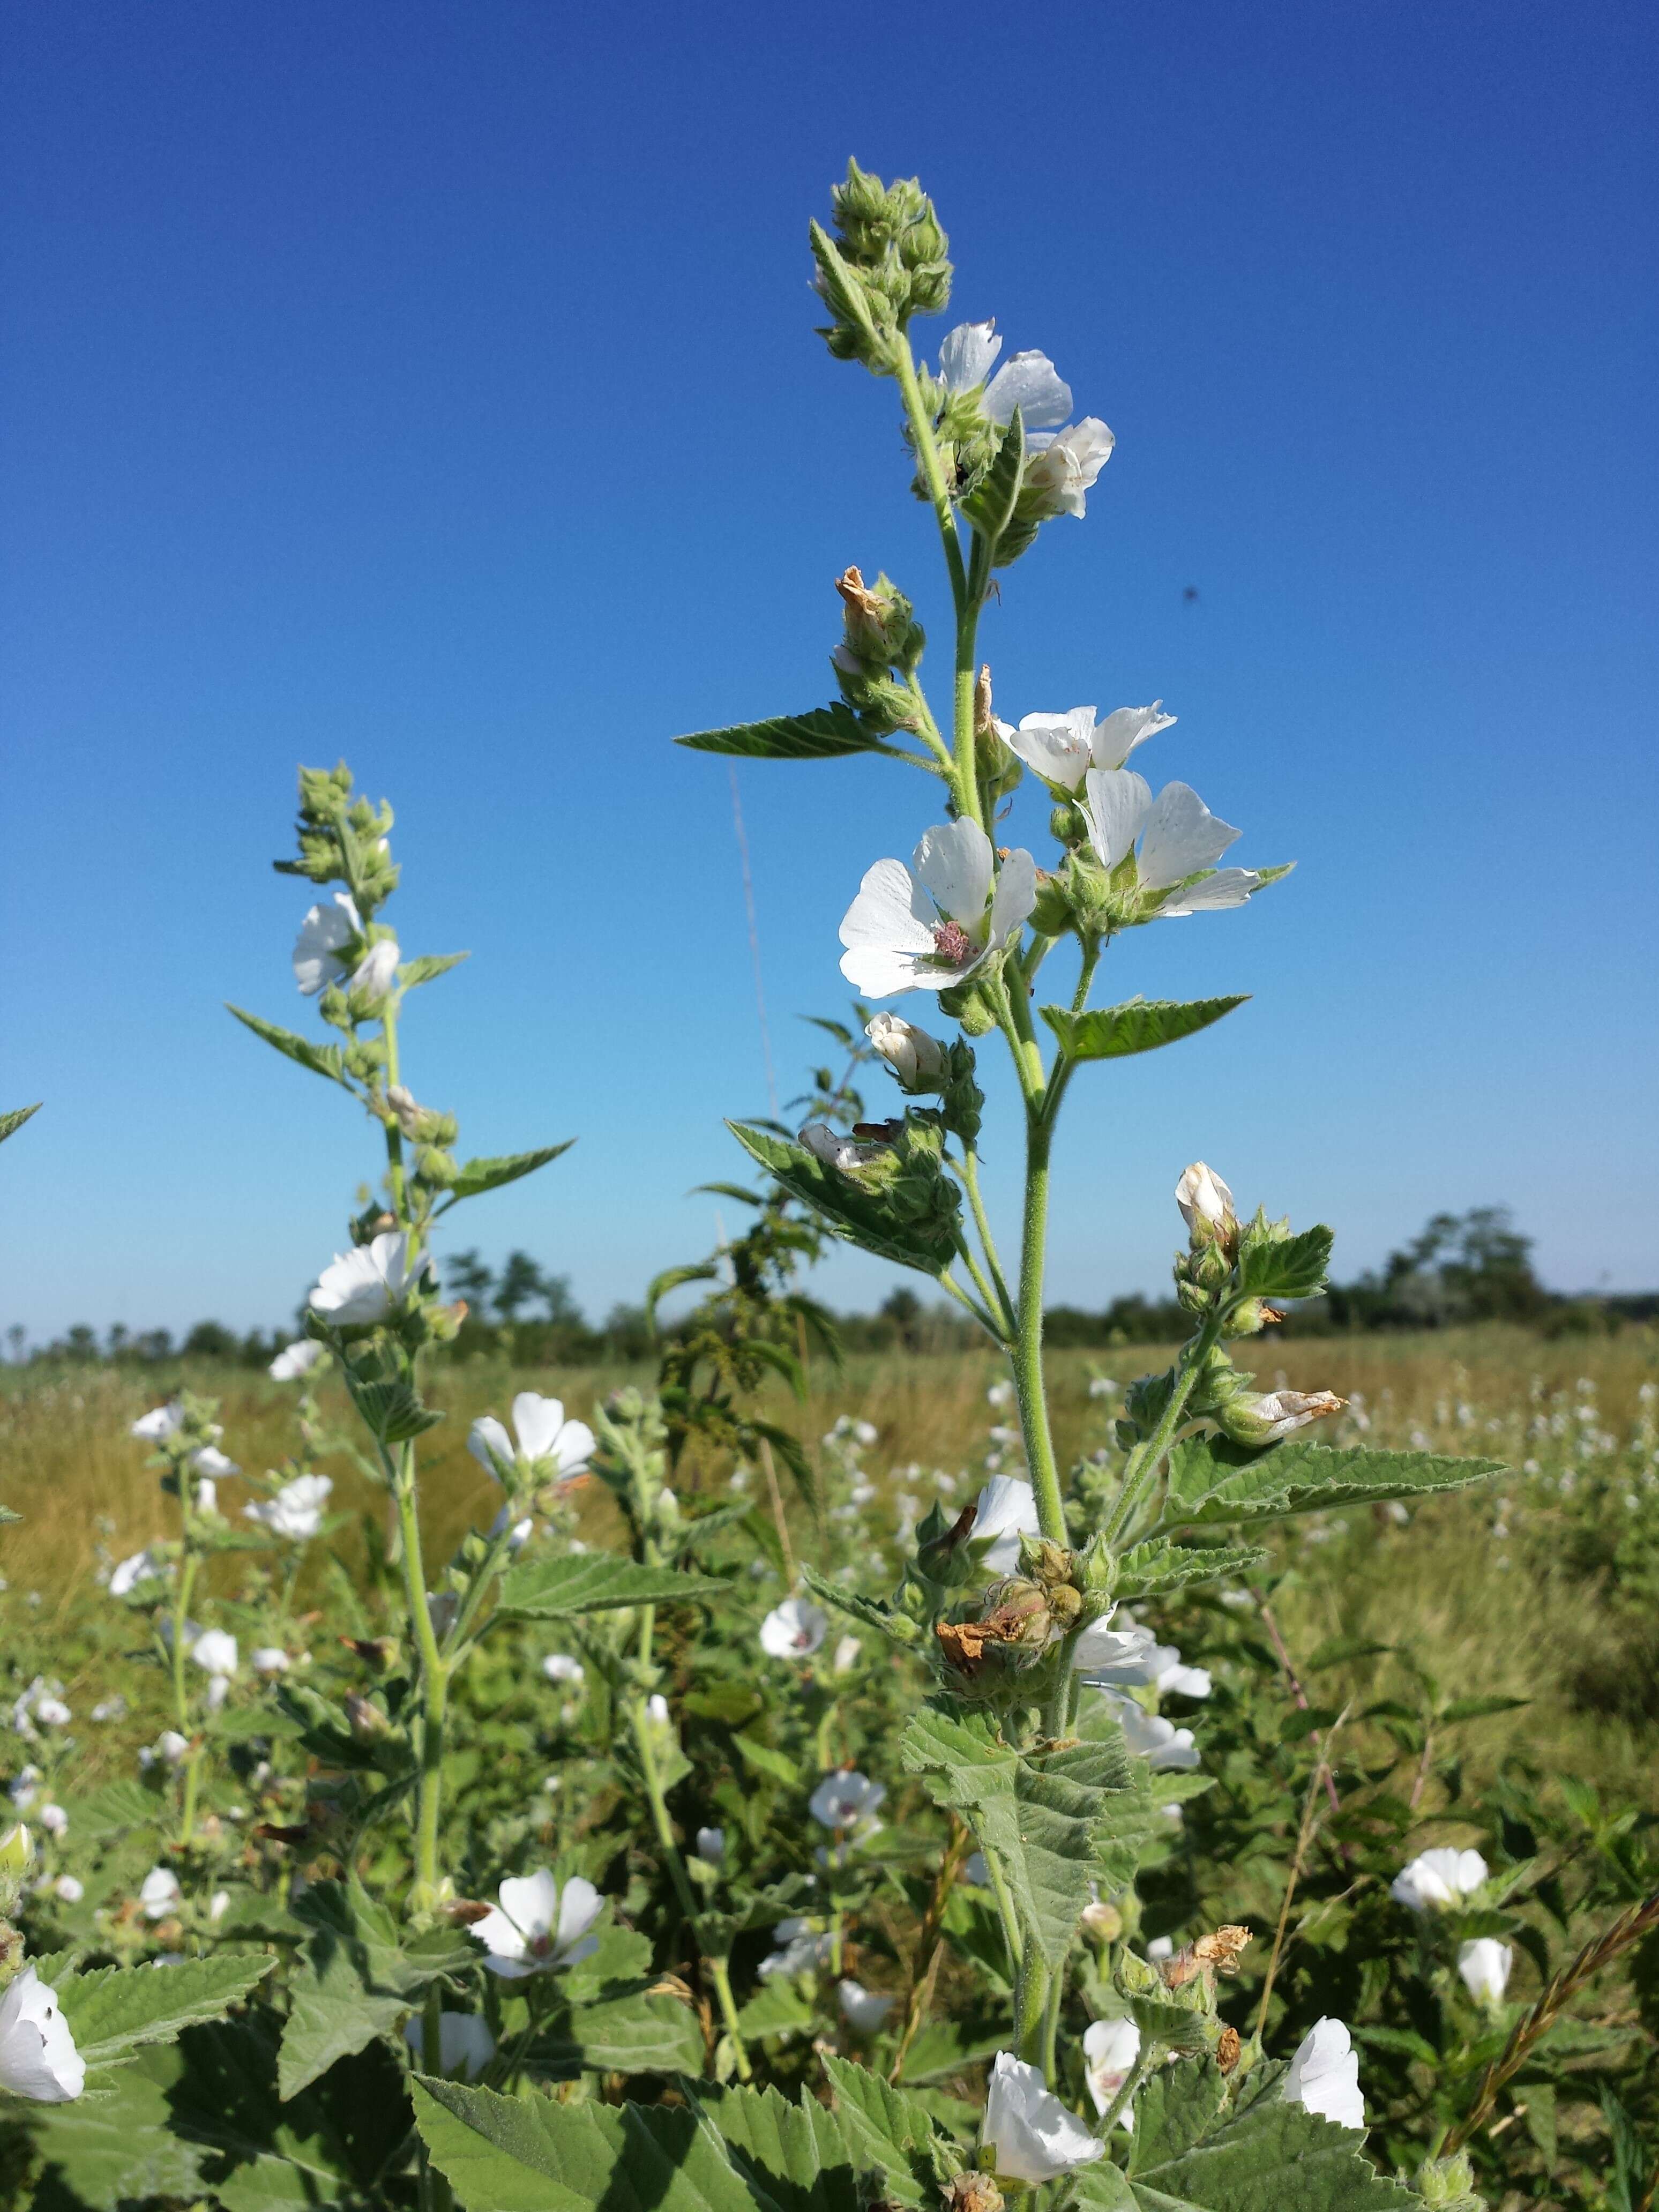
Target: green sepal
990	505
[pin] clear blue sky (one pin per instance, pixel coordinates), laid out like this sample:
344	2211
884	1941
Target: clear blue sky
436	386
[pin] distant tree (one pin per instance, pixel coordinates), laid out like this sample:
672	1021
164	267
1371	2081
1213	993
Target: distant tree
17	1337
210	1339
521	1283
902	1310
467	1277
154	1346
80	1343
1463	1267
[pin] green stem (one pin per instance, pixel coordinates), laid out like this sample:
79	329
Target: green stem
989	1296
970	1179
659	1820
1027	1358
1011	1935
1051	2029
179	1658
719	1974
434	1690
1030	2002
953	1289
921	430
394	1135
1149	2053
1141	1469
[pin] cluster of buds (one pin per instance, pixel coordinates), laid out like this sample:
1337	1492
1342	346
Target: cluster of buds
343	840
1236	1266
1174	2002
429	1131
881	635
886	263
17	1858
1019	1621
925	1067
901	1161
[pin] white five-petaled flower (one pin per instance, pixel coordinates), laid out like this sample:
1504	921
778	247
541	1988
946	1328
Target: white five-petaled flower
1485	1965
1030	2134
465	2042
1110	1658
1324	2075
362	1285
294	1360
38	2056
67	1888
161	1422
132	1571
928	927
213	1463
863	2010
543	1432
1005	1511
296	1510
846	1799
1062	748
1165	1747
1110	2048
170	1746
1062	466
1179	838
1027	381
536	1925
793	1629
799	1950
560	1667
214	1651
377	971
158	1893
54	1820
323	933
1435	1879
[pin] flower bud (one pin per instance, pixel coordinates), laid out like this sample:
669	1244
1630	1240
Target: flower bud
16	1851
1255	1418
881	627
916	1058
1207	1206
1448	2183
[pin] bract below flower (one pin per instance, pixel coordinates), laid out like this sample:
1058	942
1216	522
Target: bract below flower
296	1510
38	2056
362	1285
1110	2048
1031	2135
1324	2075
928	927
537	1926
1062	748
793	1629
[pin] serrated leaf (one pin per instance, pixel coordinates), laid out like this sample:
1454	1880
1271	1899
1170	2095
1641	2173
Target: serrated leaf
777	2008
596	1581
867	1612
765	1761
1294	1268
113	2148
12	1122
825	733
631	2032
392	1410
864	1218
357	1980
1212	1482
474	1177
990	505
321	1059
1157	1566
428	966
1138	1025
886	2131
113	2010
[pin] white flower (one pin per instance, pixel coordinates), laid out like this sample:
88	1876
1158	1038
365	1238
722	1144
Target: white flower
928	927
53	1711
170	1746
296	1510
911	1054
163	1422
137	1569
24	1789
1160	1948
846	1799
1029	2133
1324	2075
68	1889
1005	1510
793	1629
110	1709
207	1496
1061	468
1485	1966
377	971
864	2012
217	1691
1111	1658
1179	838
465	2042
1163	1746
38	2056
537	1926
1202	1196
218	1906
799	1950
1063	748
269	1659
543	1432
848	1651
1184	1681
1438	1878
214	1651
656	1711
323	932
1027	381
517	1533
54	1820
294	1360
711	1846
835	1150
560	1667
212	1462
363	1284
1110	2048
159	1892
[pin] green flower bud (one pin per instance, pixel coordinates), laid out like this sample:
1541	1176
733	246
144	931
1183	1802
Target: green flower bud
1255	1421
881	624
1447	2184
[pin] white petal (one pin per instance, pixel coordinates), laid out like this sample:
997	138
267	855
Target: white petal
1116	802
575	1448
1014	897
488	1441
531	1902
875	972
966	355
1030	382
1054	746
537	1422
1123	729
1181	838
1227	887
892	910
954	863
579	1908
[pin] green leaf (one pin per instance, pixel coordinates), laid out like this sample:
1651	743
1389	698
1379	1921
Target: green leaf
1048	1818
12	1122
1197	2149
1292	1267
1212	1481
1138	1025
887	2132
990	505
597	1582
765	1760
1157	1566
869	1612
777	2008
1478	1709
114	2148
825	733
113	2010
357	1980
474	1177
864	1216
321	1059
632	2033
391	1410
673	1279
429	965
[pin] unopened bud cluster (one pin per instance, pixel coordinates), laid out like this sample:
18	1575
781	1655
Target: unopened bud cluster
885	263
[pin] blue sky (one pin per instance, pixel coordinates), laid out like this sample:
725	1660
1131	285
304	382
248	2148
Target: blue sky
436	386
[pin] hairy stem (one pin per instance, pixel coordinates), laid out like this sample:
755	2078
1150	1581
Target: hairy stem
434	1689
722	1978
1150	2055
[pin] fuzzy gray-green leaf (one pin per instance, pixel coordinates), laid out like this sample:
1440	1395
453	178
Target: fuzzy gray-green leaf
596	1581
823	734
1138	1025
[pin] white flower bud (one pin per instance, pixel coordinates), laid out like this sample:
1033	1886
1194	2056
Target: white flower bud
914	1057
1202	1196
1255	1419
